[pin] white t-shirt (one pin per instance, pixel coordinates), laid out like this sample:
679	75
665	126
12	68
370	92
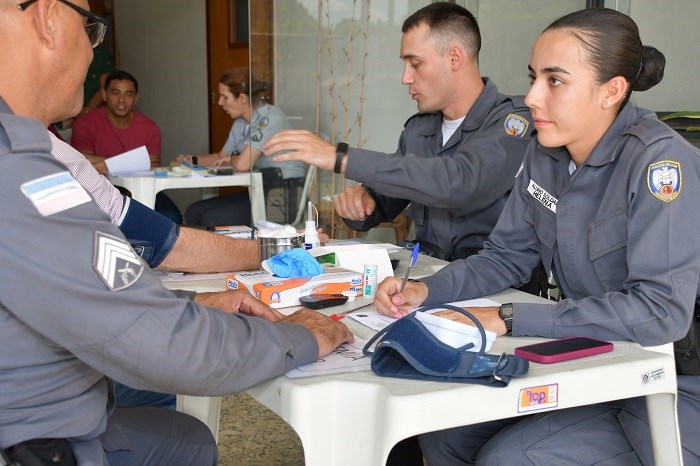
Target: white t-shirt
449	127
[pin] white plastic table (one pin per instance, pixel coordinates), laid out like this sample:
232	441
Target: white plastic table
356	418
145	186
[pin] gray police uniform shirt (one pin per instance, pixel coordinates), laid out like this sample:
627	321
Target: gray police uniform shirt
267	121
620	235
456	190
77	305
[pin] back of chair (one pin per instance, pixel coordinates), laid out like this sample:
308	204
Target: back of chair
294	205
272	178
303	199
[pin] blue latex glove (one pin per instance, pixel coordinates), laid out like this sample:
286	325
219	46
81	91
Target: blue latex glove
295	262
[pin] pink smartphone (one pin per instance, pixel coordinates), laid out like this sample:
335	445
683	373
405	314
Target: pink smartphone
563	349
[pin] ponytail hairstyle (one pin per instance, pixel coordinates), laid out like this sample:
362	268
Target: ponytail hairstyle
611	42
240	81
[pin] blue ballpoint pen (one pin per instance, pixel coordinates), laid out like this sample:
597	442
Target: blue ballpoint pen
414	259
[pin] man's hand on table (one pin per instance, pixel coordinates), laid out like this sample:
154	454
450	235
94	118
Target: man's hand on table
239	301
329	333
394	304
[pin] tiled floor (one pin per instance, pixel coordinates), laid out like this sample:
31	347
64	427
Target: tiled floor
252	435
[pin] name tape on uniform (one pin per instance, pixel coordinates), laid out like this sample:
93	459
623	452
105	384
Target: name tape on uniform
543	196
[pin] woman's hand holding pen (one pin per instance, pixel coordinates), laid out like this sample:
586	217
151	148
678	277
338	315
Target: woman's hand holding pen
394	303
184	158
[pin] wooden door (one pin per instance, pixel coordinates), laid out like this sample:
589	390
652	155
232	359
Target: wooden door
227	49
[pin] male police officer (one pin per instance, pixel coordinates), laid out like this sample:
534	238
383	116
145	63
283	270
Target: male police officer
456	159
78	305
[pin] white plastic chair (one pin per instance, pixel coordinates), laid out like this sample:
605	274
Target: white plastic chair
303	199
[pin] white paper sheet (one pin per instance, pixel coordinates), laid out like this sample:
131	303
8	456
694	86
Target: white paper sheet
347	357
135	160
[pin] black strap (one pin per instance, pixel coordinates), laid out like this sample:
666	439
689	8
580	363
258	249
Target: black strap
41	452
687	349
5	459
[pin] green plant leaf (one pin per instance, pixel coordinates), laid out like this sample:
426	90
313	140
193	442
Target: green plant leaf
680	115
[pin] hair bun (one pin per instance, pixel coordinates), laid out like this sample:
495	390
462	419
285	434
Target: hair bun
652	71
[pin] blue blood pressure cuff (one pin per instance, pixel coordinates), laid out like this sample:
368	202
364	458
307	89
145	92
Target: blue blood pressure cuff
151	234
408	350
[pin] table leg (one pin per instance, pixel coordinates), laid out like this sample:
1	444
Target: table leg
333	433
142	190
206	409
257	198
663	424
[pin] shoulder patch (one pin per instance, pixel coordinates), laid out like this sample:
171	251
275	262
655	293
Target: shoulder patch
55	193
515	125
664	180
115	262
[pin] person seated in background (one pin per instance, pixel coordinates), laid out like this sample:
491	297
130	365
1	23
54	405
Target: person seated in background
243	98
606	199
456	159
117	127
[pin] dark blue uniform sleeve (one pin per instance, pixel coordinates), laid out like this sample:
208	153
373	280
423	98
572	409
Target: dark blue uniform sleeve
479	170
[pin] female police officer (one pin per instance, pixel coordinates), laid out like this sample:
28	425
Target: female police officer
607	199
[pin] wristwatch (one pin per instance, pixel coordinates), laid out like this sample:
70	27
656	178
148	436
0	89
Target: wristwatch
505	312
194	160
341	151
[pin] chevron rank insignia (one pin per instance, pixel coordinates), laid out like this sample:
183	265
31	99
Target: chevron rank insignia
115	262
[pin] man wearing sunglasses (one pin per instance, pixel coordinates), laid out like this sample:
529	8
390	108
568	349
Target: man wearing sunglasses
77	305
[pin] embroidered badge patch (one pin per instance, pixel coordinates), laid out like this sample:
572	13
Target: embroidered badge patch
55	193
115	262
263	122
543	196
664	180
516	125
256	135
